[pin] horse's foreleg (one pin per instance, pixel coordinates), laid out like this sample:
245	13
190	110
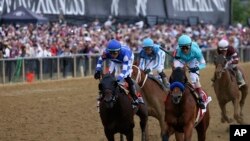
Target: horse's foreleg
244	92
179	136
188	130
130	135
236	111
224	116
109	136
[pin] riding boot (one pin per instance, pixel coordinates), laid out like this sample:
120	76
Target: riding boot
240	79
201	103
164	80
132	91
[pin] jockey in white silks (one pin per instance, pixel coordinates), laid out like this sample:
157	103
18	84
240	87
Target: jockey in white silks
152	58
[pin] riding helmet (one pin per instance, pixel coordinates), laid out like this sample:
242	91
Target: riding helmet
184	40
223	44
114	45
147	43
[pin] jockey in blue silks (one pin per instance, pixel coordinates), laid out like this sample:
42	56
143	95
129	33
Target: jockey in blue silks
189	53
121	61
152	58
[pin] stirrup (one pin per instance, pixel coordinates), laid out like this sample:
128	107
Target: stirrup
201	104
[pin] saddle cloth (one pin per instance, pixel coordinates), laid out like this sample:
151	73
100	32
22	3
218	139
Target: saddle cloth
201	112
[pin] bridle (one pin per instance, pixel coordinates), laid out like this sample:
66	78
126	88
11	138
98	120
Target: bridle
139	78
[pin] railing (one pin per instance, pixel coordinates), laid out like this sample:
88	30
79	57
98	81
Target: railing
80	65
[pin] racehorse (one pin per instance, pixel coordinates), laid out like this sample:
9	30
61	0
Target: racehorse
226	90
154	94
182	111
116	112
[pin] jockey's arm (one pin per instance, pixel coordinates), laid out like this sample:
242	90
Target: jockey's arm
125	66
202	62
99	63
142	63
157	62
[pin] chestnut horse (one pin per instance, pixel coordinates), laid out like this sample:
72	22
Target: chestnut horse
116	112
182	111
154	95
226	90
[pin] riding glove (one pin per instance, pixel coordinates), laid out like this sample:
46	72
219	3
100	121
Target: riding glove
97	75
193	70
147	71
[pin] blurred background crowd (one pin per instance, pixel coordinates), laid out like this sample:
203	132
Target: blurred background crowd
61	39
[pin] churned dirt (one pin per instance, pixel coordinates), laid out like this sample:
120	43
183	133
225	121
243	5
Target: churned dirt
66	111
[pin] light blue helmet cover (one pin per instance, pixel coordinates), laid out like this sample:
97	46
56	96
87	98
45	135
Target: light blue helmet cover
184	40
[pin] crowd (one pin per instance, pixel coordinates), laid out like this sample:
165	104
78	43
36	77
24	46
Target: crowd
61	39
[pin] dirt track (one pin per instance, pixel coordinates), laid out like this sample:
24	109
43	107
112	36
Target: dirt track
66	111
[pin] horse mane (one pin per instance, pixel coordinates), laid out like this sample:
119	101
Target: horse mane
177	75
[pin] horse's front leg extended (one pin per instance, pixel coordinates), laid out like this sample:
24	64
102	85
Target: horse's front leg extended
110	136
224	117
237	116
188	130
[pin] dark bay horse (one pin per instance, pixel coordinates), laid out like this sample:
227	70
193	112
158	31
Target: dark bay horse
182	111
116	112
226	90
154	96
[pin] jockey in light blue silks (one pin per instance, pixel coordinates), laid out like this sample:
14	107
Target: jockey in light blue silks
152	58
189	53
121	58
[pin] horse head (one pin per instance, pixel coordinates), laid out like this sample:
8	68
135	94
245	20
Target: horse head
220	63
178	79
108	87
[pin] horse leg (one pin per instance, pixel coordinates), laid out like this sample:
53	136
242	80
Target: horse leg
130	135
110	136
188	130
179	136
237	116
244	92
121	137
201	128
163	127
224	116
143	115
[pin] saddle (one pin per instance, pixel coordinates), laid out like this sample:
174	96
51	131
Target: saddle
195	94
152	77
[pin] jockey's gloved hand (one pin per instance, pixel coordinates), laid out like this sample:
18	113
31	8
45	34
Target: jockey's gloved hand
147	71
97	75
194	69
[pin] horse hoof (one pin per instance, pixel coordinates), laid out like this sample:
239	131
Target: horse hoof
230	120
223	120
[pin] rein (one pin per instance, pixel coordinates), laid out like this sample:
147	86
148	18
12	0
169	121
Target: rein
138	77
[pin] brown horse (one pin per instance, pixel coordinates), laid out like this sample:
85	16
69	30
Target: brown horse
226	90
182	111
116	112
154	95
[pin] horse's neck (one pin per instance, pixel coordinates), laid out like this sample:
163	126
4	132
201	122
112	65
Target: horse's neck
226	78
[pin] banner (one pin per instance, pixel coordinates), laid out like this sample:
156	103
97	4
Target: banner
210	11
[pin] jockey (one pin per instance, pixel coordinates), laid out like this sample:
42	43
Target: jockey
232	60
153	58
189	53
120	57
